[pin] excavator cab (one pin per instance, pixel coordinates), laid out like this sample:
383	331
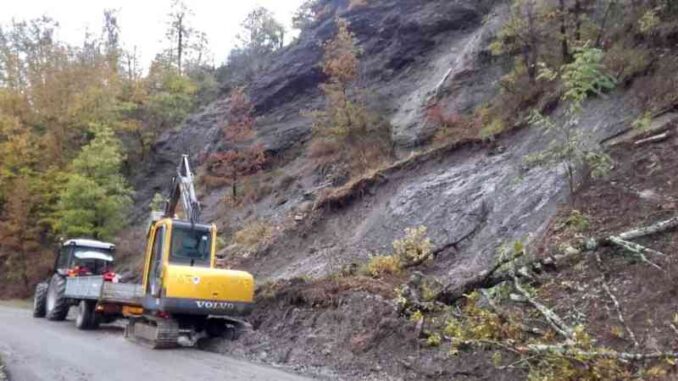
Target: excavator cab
180	277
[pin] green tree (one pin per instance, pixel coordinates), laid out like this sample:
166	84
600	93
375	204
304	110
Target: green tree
95	199
306	14
260	37
583	77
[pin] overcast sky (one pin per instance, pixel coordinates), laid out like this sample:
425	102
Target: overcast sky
143	22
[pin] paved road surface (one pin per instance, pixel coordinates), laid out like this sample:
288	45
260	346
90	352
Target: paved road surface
37	349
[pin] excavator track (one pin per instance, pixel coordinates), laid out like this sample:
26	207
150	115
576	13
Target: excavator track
152	332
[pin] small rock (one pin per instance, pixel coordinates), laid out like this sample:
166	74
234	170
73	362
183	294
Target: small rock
571	251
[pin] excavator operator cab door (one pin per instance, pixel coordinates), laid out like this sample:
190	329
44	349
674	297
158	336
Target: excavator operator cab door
154	263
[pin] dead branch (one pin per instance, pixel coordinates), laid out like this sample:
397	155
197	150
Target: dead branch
658	227
637	249
674	328
620	316
502	314
567	349
553	319
615	301
653	139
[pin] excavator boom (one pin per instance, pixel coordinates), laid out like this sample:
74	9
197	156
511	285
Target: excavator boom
182	188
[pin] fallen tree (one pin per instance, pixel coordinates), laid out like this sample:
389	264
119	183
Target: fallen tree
498	273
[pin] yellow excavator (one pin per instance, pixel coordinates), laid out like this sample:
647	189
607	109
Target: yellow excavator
182	293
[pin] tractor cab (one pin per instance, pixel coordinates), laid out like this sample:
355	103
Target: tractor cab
80	257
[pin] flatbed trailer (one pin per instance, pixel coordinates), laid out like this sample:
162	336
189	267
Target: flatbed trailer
102	301
96	288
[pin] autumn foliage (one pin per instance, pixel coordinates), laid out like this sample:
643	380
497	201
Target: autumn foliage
242	157
345	133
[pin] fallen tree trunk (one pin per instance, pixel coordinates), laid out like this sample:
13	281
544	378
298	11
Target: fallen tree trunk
493	276
658	227
653	139
567	349
553	319
637	249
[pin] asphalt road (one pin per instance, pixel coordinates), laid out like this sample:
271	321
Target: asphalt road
37	349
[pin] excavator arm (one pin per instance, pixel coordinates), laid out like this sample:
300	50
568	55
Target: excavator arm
182	189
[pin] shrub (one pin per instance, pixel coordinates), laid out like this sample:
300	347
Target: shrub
577	221
433	340
380	265
495	127
415	247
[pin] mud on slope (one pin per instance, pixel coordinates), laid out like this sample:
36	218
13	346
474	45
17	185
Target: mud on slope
472	199
642	189
348	327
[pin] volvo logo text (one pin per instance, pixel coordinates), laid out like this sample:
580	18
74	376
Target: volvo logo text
215	305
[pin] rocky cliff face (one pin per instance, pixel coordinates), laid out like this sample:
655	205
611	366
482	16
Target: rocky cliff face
472	198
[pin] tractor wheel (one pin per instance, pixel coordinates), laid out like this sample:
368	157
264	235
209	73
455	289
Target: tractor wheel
57	305
87	317
40	300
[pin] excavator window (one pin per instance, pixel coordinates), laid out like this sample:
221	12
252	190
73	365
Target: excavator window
191	246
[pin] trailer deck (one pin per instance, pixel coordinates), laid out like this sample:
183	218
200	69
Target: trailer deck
97	289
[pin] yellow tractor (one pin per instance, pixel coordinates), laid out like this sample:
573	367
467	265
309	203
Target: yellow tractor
182	293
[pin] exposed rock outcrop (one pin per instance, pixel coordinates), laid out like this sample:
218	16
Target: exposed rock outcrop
472	199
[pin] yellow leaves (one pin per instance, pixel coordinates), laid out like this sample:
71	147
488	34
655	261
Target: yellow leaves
433	340
496	359
380	265
416	316
582	338
414	247
617	331
649	21
340	61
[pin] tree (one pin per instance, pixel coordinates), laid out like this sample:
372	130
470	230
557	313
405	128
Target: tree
96	197
345	125
261	35
583	77
178	32
241	158
20	234
306	14
111	36
523	34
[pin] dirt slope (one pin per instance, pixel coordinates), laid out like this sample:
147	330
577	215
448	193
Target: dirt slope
350	324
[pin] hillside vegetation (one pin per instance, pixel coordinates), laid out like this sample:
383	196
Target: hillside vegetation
422	189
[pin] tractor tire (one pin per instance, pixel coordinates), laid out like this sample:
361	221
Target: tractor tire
40	300
57	304
87	317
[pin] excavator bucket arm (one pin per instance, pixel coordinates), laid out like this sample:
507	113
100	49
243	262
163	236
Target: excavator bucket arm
182	189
